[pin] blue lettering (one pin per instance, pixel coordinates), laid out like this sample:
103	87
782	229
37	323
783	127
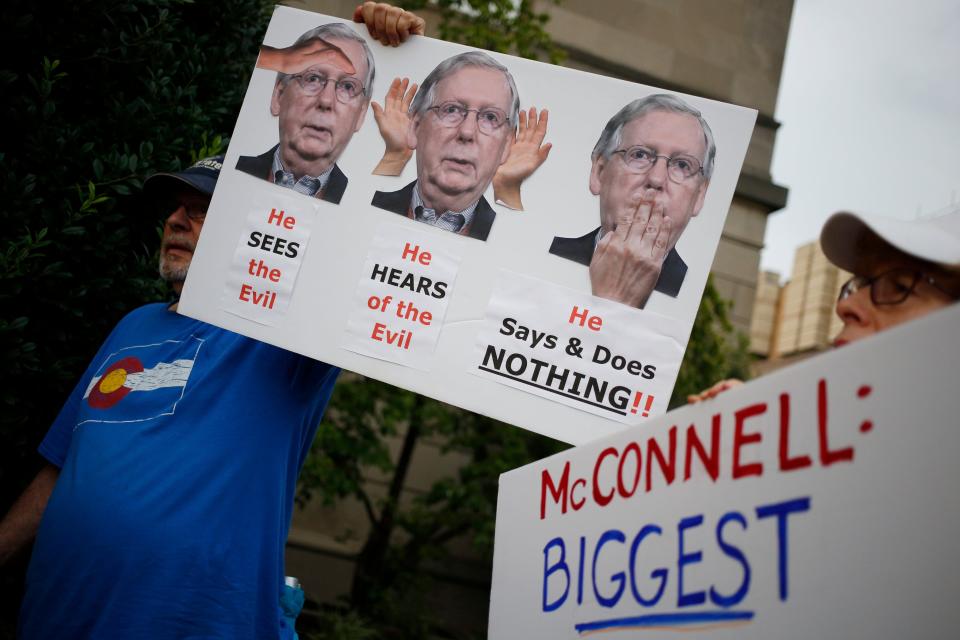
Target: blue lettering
736	554
617	578
781	510
683	559
660	573
583	555
560	565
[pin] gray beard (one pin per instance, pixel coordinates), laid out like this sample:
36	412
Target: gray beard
173	273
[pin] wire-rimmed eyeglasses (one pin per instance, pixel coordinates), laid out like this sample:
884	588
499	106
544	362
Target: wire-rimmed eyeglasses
451	114
680	168
314	82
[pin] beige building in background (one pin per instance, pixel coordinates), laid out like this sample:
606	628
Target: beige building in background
807	318
796	320
730	51
766	308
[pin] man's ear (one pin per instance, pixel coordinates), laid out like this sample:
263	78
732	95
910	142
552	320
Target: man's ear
596	171
698	203
412	132
507	148
362	116
275	98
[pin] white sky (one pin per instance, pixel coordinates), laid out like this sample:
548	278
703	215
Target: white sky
870	110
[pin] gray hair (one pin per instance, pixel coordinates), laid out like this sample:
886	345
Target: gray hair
612	134
338	31
427	93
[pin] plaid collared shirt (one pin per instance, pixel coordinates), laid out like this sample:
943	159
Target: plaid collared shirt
307	185
455	221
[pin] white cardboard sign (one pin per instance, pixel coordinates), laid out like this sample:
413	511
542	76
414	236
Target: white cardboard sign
402	297
550	242
267	260
822	501
586	352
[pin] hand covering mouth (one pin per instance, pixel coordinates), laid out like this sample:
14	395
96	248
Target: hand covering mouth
652	197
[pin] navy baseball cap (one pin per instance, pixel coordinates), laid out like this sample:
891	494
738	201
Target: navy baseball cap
202	176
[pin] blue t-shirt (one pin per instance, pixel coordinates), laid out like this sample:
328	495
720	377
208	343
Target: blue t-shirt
179	452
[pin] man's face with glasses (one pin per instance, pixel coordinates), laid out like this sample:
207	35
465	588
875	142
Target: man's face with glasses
319	110
892	291
463	137
659	160
183	211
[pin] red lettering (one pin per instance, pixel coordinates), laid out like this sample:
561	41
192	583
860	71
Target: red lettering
287	222
741	439
667	467
413	254
245	291
378	330
828	457
710	462
559	494
408	311
621	488
259	269
599	498
786	462
576	504
583	317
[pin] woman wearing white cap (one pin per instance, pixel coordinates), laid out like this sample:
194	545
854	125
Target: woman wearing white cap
901	270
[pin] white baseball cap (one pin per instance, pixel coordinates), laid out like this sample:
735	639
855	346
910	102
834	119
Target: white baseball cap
845	237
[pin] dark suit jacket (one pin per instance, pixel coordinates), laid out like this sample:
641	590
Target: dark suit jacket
581	250
399	202
260	167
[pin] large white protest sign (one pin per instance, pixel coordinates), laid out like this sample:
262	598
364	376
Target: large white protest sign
822	501
638	181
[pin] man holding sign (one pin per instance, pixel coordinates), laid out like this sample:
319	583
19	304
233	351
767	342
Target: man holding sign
645	204
171	469
464	117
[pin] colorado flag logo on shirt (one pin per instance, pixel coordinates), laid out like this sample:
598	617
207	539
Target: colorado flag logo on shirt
141	382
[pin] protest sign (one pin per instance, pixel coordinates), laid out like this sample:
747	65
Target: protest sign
638	182
817	502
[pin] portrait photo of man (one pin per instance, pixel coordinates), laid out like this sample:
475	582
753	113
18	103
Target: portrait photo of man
462	126
320	98
650	170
